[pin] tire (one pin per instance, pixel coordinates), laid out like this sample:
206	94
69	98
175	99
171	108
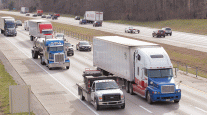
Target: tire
149	98
131	89
31	38
67	67
34	55
81	96
127	86
123	106
125	31
96	105
170	34
176	101
41	60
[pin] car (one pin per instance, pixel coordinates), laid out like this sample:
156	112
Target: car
55	14
48	16
167	30
97	23
34	15
18	23
27	14
158	33
131	30
69	48
83	45
43	16
83	21
59	36
54	17
77	17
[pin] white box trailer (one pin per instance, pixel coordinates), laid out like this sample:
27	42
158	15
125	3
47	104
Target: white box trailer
24	10
92	16
38	28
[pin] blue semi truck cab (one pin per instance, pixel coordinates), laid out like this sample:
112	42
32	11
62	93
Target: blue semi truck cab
51	52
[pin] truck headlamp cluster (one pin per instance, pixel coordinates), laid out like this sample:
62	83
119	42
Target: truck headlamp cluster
122	97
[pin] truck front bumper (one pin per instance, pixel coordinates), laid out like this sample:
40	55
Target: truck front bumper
59	64
112	103
166	97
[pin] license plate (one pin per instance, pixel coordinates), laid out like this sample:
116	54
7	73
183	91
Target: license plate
167	99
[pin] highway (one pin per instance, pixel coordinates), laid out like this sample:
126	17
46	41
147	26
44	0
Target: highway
57	91
179	39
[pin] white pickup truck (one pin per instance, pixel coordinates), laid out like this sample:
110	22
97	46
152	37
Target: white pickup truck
131	30
101	91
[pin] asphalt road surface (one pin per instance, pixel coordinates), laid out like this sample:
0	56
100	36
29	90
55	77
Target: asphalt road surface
179	39
57	91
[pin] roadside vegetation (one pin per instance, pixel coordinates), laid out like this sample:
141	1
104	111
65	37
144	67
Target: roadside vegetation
178	55
5	81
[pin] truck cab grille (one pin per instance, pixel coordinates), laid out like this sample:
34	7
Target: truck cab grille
167	89
112	97
59	57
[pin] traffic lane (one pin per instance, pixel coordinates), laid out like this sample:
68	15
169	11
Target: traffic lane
126	94
186	40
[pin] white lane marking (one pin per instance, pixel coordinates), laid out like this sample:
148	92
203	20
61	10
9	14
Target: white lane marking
145	109
55	79
201	109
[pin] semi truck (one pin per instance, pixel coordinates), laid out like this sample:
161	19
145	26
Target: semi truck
92	16
51	52
24	10
39	12
40	28
145	67
8	26
101	91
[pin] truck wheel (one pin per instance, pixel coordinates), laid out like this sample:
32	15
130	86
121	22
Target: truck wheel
131	89
81	96
96	105
67	67
41	61
123	106
176	101
31	38
149	98
127	86
170	34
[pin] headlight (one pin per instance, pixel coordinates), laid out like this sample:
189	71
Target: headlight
100	98
155	92
179	91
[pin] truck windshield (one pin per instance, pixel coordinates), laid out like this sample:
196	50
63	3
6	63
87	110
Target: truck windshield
59	48
106	85
47	31
160	73
10	25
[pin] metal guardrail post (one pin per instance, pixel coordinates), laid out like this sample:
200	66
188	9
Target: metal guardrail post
186	69
196	71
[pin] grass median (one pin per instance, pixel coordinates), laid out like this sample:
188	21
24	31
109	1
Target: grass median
5	81
183	56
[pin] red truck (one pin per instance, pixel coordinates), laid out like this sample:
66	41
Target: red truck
40	28
39	12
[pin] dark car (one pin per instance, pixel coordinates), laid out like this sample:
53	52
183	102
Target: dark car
43	16
83	21
97	23
54	17
27	14
69	49
77	17
83	45
158	33
34	15
167	30
18	23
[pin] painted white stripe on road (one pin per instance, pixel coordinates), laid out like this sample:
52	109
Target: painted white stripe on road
201	109
145	109
55	79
